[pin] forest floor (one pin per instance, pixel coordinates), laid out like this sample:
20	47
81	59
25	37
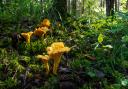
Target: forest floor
98	58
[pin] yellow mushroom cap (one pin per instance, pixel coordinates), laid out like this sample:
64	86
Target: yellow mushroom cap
55	52
46	23
40	31
44	58
27	36
45	29
30	33
57	47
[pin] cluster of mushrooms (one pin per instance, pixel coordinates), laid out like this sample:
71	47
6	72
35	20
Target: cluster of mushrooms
38	32
54	52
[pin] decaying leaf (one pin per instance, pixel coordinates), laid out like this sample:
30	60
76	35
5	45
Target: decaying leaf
92	58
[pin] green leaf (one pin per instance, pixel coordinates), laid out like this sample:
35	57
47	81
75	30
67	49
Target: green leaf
107	46
125	38
124	82
100	38
91	74
115	86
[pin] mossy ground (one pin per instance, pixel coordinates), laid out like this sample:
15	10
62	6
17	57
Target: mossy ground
90	64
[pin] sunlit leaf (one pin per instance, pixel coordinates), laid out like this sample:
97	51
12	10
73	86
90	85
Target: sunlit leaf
124	82
100	38
107	46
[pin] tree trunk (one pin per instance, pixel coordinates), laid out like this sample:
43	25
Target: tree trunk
127	4
79	6
83	7
2	5
74	6
101	3
69	6
109	7
61	7
117	5
41	4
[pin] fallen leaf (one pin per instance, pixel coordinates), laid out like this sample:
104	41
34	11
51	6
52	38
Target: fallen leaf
92	58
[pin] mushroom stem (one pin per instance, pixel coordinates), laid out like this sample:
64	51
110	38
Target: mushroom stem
55	52
45	60
46	66
57	60
27	36
55	66
28	40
